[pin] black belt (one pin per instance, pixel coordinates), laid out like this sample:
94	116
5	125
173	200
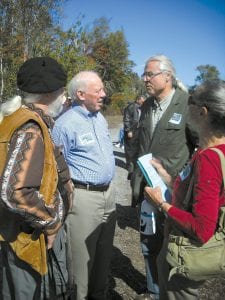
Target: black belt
90	187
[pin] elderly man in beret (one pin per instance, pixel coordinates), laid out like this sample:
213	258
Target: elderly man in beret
32	171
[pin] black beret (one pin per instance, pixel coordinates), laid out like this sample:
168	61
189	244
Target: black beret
41	75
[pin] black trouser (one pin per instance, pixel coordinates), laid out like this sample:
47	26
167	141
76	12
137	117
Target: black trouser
18	280
131	148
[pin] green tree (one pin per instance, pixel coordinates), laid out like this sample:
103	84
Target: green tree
110	51
69	48
23	23
31	28
206	72
9	46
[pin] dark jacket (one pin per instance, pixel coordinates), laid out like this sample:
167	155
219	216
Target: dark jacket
131	117
172	141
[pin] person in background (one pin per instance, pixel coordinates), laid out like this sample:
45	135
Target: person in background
131	117
164	132
207	112
32	209
67	104
120	143
82	132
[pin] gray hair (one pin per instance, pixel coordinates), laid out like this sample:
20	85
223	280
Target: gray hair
165	64
80	82
211	94
32	98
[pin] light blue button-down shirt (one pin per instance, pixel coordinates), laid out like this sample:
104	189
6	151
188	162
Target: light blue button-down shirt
86	145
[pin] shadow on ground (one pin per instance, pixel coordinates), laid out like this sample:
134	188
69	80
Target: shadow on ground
119	159
119	154
127	217
126	272
122	269
120	163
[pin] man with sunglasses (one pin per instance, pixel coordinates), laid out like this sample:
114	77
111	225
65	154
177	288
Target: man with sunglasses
163	131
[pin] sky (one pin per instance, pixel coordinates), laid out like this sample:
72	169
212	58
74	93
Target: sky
189	32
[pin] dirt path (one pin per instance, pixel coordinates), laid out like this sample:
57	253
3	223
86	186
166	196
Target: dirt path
127	268
127	275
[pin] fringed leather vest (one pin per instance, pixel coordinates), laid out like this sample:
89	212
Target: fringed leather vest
28	247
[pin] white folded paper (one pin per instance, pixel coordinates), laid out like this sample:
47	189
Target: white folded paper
151	176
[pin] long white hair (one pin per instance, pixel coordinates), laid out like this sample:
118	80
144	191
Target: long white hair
165	64
10	106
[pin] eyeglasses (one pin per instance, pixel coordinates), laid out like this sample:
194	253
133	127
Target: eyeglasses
150	74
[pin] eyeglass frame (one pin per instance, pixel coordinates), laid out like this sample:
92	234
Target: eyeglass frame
151	75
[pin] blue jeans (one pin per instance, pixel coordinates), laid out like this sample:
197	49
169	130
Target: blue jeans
151	246
121	136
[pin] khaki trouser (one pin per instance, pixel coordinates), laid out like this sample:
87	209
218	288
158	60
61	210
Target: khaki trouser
90	228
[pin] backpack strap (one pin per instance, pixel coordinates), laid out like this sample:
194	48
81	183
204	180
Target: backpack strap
222	160
186	202
221	217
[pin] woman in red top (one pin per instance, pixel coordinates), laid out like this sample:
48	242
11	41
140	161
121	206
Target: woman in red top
207	113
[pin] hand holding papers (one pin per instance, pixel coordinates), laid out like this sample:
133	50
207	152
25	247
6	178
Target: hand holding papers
151	176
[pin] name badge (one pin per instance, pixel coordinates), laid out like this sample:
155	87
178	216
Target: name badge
86	138
176	118
185	172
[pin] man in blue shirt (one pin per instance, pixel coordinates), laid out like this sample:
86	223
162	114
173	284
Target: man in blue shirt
83	134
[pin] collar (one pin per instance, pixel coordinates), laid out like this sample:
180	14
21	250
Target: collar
165	101
47	119
87	114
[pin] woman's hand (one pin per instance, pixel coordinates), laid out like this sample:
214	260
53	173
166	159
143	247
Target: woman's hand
154	196
161	171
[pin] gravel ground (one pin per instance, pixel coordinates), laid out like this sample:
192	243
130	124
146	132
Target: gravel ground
127	275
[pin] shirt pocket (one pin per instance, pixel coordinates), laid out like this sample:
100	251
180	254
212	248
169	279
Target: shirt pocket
172	134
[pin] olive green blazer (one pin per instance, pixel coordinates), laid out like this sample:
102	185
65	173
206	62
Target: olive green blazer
173	140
